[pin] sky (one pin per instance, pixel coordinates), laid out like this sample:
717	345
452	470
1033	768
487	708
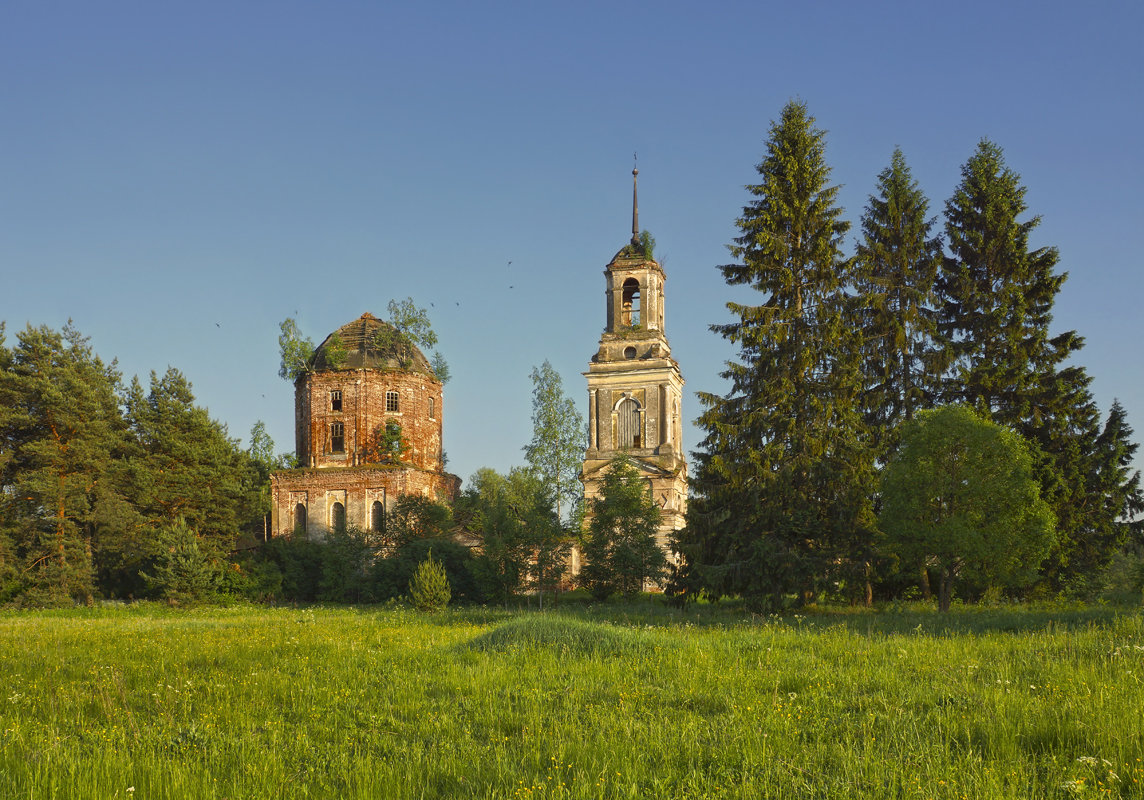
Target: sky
178	178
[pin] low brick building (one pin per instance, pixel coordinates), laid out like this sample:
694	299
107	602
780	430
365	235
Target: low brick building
361	379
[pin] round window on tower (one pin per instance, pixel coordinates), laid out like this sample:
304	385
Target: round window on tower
629	352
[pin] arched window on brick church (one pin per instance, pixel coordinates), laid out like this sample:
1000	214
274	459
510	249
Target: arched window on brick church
392	402
337	438
300	519
377	517
338	517
628	424
631	302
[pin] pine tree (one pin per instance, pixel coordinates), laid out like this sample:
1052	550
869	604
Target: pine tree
783	476
63	441
896	267
190	468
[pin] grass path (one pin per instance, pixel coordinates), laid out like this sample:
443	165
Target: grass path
343	703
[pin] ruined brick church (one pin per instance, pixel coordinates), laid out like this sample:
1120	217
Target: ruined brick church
361	377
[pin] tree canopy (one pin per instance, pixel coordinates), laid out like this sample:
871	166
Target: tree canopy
620	552
556	450
960	496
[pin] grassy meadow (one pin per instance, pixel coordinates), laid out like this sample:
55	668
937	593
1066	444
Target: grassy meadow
632	701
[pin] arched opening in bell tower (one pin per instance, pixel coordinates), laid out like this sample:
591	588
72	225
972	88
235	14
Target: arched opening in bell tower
631	302
628	428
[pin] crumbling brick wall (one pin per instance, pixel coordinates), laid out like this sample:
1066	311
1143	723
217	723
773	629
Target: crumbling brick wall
364	407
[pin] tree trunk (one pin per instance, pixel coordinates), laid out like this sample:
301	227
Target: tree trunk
945	589
61	550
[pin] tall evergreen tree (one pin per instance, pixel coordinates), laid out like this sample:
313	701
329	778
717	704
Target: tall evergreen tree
63	439
896	267
997	296
783	477
190	468
1105	503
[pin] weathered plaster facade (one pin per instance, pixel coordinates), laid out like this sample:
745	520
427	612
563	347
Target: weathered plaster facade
635	389
356	385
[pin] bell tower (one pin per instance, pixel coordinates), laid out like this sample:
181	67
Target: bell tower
634	385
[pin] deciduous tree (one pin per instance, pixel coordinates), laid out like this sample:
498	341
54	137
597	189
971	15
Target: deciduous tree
294	349
960	496
556	450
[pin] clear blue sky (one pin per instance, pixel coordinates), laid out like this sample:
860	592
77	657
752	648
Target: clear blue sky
179	177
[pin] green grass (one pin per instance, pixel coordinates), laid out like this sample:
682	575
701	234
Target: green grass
589	701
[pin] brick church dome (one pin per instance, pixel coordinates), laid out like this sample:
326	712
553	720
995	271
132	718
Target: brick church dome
370	343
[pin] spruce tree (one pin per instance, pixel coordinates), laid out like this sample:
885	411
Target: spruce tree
996	308
895	270
784	478
1104	503
997	298
429	588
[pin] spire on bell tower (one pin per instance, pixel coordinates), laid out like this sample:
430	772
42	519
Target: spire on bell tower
635	209
635	389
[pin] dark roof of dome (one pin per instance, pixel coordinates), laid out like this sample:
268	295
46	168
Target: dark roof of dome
365	349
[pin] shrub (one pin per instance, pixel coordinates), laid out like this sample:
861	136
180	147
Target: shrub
429	588
391	575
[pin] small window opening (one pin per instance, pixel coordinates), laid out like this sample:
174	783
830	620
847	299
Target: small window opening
300	519
338	517
337	438
392	404
432	408
631	302
377	517
336	401
629	352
